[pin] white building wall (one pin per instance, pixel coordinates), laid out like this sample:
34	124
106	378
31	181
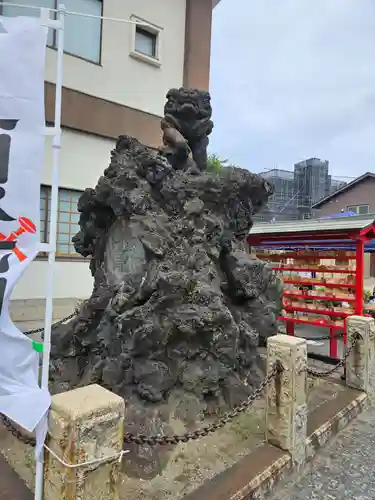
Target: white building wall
72	280
83	160
121	78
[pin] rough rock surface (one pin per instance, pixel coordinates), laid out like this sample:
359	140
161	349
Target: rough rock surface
178	304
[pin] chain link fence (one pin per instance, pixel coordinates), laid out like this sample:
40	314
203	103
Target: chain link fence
13	429
322	337
328	337
142	439
340	364
60	322
208	429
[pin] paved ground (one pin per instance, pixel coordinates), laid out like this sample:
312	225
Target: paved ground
342	471
11	486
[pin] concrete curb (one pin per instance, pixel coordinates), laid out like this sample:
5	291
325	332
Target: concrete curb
255	476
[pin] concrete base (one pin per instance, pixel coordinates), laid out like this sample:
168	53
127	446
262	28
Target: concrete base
255	476
85	425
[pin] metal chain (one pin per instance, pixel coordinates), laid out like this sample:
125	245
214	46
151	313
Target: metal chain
142	439
341	363
17	433
60	322
155	440
324	337
327	337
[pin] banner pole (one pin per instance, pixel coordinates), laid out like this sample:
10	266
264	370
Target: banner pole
56	146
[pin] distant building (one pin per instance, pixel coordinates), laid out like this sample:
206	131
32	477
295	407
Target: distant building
281	203
335	184
357	196
311	183
296	193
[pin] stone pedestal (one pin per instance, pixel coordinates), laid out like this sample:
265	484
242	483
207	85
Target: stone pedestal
84	425
360	369
286	408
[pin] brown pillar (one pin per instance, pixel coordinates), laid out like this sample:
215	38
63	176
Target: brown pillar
372	265
198	44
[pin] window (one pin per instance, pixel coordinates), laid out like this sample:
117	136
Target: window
13	11
145	42
358	209
45	200
82	34
67	219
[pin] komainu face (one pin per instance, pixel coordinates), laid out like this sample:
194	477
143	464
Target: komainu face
187	106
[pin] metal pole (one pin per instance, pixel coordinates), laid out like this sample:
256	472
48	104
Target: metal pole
359	275
286	205
56	144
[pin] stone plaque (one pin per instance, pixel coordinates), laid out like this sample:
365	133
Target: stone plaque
125	258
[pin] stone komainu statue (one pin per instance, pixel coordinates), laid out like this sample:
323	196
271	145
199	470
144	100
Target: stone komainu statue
186	126
178	305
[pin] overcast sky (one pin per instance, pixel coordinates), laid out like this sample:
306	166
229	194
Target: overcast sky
293	79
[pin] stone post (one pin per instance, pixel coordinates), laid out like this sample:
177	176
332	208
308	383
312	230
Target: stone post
84	425
360	369
286	403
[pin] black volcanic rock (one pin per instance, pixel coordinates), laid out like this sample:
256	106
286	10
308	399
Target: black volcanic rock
178	303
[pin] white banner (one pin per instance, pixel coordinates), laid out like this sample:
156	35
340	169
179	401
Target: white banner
22	61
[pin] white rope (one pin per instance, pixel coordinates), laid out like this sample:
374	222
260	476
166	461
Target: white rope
69	13
11	4
90	462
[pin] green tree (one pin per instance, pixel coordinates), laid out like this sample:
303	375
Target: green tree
215	164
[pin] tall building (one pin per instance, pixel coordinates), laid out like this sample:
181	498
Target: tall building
281	203
296	192
115	78
312	183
